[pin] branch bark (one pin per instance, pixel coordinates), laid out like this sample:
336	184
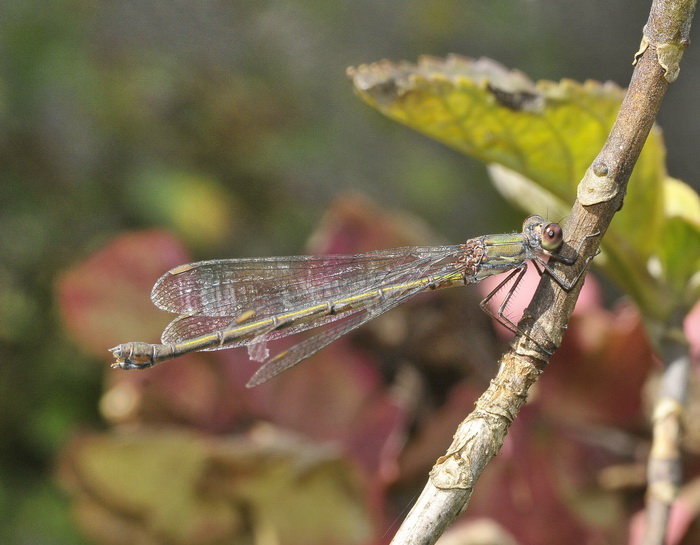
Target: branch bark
601	193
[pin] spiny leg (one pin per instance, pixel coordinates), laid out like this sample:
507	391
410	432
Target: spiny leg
500	316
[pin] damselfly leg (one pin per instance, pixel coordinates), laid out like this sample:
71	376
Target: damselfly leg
542	267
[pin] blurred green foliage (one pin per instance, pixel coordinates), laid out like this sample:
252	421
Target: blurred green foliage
115	115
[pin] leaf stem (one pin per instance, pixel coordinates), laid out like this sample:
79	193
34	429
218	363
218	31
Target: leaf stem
664	468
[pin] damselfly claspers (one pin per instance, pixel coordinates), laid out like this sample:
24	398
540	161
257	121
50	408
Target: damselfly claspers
226	303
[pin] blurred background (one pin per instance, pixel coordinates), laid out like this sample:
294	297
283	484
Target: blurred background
232	126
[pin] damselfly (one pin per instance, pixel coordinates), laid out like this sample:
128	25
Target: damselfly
226	303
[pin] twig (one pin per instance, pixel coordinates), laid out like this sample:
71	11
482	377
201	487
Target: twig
601	193
664	470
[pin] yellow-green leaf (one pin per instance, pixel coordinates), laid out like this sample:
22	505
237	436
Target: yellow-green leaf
539	139
195	206
679	250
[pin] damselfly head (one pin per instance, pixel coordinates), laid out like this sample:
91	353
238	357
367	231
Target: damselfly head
548	236
552	237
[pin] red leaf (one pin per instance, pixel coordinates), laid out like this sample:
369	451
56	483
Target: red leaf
105	300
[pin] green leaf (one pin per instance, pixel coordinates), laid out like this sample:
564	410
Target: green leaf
679	249
539	139
174	486
195	206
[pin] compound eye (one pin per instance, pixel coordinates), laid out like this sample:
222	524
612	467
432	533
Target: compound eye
552	237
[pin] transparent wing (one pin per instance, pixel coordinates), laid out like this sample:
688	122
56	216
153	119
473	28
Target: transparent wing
231	287
306	348
195	324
